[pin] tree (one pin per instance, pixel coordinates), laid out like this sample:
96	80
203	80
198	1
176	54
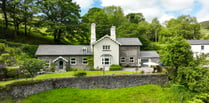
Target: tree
135	17
195	76
2	48
58	15
4	5
186	26
33	66
176	53
115	15
156	28
98	16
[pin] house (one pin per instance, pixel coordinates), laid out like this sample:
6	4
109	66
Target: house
199	47
105	51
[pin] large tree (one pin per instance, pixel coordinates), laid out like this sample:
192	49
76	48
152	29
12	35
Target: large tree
58	15
135	17
186	26
176	53
115	15
98	16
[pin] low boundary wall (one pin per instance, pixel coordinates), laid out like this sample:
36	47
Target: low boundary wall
114	81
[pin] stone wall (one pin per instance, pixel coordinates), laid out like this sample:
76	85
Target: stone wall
121	81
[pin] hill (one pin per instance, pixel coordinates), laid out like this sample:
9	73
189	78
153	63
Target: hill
205	24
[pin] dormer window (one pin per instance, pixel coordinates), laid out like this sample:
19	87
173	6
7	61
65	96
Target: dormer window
84	50
106	47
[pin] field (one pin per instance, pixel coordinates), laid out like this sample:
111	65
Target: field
139	94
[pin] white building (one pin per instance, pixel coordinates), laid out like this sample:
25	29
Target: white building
199	47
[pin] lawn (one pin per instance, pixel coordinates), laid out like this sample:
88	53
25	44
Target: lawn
68	74
139	94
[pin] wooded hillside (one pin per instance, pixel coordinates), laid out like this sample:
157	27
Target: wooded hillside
59	22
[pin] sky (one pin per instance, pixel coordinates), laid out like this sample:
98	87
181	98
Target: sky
162	9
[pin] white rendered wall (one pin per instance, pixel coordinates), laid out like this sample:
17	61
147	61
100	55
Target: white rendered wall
196	49
98	52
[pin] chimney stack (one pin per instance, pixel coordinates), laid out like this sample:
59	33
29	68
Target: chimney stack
112	33
93	33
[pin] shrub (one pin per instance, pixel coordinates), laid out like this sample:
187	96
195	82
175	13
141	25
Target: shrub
201	98
3	72
80	73
29	49
115	67
194	78
142	72
33	65
12	73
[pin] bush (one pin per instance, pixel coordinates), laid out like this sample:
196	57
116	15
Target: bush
115	67
3	73
194	78
80	73
29	49
12	73
201	98
142	72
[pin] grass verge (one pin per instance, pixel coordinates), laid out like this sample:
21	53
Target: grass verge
139	94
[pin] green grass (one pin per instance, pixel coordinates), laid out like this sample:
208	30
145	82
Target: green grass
67	74
139	94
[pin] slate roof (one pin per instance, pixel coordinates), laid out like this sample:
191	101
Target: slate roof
129	41
149	54
198	42
63	50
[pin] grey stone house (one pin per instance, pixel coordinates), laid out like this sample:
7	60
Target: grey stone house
106	51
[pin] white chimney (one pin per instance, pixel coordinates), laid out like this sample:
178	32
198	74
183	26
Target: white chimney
93	33
112	33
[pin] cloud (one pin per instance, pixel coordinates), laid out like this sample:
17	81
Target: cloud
174	5
162	9
84	4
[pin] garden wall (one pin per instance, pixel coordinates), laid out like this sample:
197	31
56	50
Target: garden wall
121	81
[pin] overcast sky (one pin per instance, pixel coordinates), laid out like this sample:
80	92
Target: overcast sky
162	9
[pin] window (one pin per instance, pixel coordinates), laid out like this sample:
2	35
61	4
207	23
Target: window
106	61
47	63
202	53
72	61
122	59
202	47
84	50
106	47
84	60
131	60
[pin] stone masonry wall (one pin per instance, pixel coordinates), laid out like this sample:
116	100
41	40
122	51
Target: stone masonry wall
121	81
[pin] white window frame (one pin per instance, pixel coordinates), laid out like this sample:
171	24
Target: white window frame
122	59
84	59
104	61
48	63
73	61
131	60
106	47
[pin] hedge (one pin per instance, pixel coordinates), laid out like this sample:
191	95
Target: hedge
115	67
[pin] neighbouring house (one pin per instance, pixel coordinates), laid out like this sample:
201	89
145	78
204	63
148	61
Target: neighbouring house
199	47
104	52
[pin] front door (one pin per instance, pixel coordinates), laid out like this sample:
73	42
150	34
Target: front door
60	64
